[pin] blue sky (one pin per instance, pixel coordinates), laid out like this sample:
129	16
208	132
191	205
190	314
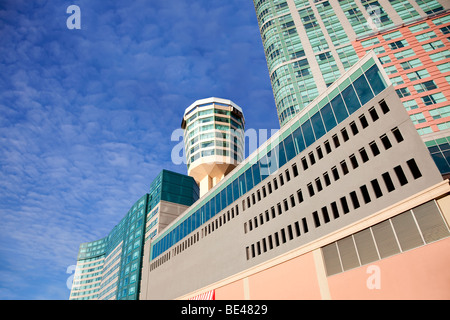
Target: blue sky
81	135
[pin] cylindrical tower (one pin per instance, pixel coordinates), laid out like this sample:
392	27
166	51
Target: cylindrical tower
213	140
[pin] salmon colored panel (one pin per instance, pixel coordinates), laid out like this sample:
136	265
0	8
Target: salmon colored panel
421	273
294	279
232	291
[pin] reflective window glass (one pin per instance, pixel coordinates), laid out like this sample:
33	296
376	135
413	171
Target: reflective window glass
308	133
328	117
351	99
339	108
319	129
363	89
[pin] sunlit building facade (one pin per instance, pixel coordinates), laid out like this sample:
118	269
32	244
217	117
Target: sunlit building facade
213	140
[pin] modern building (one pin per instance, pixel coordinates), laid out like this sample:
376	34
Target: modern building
309	44
346	184
213	139
110	268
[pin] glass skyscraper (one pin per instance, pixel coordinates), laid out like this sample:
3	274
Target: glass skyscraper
309	43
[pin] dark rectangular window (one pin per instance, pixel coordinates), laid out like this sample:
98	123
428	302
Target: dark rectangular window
354	199
297	229
374	148
344	134
264	244
288	175
326	217
354	128
386	143
267	215
275	183
304	163
326	178
334	210
363	120
290	233
373	114
363	154
365	194
400	175
336	141
354	161
397	134
335	173
279	208
292	201
414	168
388	181
311	158
376	188
316	219
269	187
327	146
281	179
272	210
344	167
384	106
319	152
300	195
286	206
344	205
283	235
294	170
318	185
305	225
269	239
277	239
310	189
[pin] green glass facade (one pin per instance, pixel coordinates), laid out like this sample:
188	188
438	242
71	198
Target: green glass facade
356	90
308	43
115	272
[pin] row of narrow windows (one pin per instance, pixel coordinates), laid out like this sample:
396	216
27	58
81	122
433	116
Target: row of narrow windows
327	147
310	160
334	210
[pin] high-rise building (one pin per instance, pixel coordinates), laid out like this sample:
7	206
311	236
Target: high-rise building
110	268
310	43
213	139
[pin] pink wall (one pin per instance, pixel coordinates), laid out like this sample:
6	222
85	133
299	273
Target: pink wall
421	273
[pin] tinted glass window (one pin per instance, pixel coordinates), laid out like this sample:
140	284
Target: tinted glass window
339	108
328	117
297	135
375	79
308	133
363	89
317	124
289	148
350	98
